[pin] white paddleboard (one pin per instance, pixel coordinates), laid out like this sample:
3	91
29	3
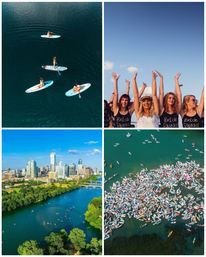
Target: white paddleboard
51	36
38	88
51	67
83	87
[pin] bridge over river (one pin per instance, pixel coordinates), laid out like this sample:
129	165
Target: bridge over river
97	184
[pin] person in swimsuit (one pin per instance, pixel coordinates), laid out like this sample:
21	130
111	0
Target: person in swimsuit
54	62
41	82
191	112
170	104
146	108
122	111
76	88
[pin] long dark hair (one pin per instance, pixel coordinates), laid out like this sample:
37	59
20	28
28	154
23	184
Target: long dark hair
165	104
124	96
107	110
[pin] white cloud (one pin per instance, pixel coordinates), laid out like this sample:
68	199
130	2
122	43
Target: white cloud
93	152
96	151
132	69
108	65
91	142
73	151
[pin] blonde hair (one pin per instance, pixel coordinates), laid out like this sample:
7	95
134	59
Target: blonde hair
184	105
141	110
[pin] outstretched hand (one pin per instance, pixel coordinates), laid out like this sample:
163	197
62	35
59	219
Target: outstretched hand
177	76
127	82
135	75
114	75
154	75
160	75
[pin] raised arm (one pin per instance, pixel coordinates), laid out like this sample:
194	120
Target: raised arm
144	85
115	99
178	93
200	107
127	86
154	94
161	92
136	94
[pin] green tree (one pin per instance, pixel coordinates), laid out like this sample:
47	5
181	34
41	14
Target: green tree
77	238
30	248
57	242
94	213
95	246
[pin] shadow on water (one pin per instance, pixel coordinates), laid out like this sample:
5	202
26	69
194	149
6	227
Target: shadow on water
179	243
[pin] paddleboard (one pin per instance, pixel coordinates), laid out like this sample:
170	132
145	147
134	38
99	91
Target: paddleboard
51	67
51	36
38	88
83	87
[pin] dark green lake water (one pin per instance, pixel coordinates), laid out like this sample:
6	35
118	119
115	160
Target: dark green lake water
24	52
37	221
151	156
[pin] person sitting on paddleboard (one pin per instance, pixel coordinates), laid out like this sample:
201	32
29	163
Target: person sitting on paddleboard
41	82
54	62
76	88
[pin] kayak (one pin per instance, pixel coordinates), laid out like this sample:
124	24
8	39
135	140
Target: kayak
51	36
51	67
38	88
170	233
83	87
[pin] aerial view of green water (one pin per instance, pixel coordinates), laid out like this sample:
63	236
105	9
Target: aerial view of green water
24	52
127	154
37	221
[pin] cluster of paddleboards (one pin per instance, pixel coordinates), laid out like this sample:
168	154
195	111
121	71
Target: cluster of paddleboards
47	84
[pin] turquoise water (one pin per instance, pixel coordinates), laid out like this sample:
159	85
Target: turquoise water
151	156
24	52
37	221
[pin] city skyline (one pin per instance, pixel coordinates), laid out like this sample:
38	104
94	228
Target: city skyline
20	146
144	36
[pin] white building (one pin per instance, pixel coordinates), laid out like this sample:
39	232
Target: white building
31	169
52	161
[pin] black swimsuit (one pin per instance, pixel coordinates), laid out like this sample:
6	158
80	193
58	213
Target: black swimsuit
169	120
122	121
191	122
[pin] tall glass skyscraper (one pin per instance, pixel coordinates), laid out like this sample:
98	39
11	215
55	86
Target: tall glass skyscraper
52	161
31	169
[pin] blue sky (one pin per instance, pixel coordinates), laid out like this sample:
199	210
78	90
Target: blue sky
167	36
20	146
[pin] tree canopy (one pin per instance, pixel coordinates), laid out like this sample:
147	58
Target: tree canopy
77	238
94	213
30	248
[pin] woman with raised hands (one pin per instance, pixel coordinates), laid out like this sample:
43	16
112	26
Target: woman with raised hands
146	107
122	110
169	104
192	113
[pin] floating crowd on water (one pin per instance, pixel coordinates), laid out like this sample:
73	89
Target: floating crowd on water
166	193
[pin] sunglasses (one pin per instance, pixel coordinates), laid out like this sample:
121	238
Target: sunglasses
194	100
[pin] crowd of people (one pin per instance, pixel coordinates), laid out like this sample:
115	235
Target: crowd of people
169	193
151	111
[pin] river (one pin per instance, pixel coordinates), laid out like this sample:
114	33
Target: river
37	221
